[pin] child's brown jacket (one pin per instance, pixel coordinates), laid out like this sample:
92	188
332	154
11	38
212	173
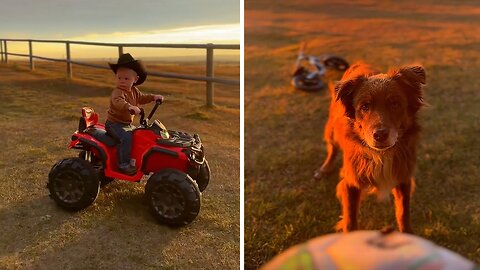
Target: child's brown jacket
121	100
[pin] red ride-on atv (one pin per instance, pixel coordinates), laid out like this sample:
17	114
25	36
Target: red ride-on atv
175	160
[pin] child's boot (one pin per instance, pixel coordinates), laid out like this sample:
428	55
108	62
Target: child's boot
129	169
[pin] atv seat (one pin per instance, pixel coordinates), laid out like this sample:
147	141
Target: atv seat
102	136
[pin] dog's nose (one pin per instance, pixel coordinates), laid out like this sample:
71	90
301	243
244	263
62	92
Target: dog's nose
380	134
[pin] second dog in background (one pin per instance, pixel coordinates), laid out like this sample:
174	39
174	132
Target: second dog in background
373	120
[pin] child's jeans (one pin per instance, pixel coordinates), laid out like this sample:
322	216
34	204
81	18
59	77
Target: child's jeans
123	133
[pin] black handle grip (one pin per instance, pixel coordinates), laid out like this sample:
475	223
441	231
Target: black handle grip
142	117
157	103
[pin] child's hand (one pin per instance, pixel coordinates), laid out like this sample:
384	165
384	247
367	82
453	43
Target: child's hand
134	109
158	97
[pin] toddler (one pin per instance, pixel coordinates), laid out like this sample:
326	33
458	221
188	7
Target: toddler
126	97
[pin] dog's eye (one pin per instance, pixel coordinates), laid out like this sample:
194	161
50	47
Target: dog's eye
365	107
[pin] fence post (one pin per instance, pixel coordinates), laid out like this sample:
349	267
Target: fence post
32	66
69	64
120	50
209	84
6	51
1	48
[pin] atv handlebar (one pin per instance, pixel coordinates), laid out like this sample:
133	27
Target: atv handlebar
143	120
158	102
142	115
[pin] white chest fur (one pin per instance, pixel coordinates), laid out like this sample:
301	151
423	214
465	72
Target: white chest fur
383	178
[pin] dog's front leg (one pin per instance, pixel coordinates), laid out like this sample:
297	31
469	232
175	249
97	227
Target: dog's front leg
332	151
327	165
349	197
401	193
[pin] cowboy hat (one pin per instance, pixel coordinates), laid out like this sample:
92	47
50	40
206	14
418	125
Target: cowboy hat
126	60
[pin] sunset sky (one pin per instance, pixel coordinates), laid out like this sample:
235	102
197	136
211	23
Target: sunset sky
119	21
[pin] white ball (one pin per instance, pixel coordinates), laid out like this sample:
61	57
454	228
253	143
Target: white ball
368	250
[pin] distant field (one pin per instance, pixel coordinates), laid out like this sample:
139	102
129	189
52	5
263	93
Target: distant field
284	127
40	110
225	95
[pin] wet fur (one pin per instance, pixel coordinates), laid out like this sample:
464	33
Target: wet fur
394	100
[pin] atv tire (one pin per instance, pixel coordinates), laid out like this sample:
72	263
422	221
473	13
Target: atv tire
73	184
302	83
203	176
336	62
173	197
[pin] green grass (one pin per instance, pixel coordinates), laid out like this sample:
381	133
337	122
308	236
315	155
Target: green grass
284	127
40	110
198	116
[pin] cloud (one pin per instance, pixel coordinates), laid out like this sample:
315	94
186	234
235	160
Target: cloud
226	33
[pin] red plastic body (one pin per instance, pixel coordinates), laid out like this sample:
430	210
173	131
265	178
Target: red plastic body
144	150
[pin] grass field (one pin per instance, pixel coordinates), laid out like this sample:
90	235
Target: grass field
40	111
284	127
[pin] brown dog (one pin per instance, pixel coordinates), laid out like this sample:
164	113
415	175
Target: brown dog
373	120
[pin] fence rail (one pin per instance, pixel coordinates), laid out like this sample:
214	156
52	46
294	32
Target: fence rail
209	77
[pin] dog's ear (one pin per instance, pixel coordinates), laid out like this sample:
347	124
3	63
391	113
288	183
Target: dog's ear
345	90
411	78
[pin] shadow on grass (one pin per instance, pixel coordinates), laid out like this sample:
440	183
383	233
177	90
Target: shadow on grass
27	224
38	234
119	227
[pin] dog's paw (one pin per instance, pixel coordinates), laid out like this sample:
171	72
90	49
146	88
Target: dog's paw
345	226
407	229
340	226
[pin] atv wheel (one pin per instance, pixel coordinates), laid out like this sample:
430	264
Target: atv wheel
203	176
73	184
301	82
98	165
173	197
336	62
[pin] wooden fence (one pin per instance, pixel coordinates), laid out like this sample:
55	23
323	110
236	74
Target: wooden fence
209	77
